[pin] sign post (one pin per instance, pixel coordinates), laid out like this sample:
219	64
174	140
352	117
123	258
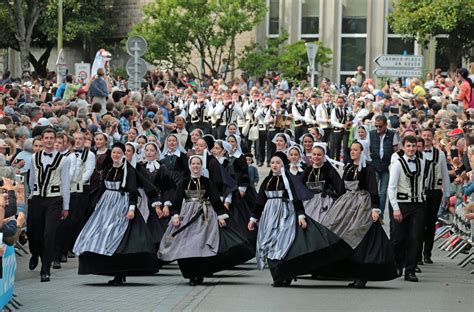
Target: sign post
61	67
83	71
311	50
136	66
398	65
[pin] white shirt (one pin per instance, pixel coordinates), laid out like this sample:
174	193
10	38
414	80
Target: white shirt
444	167
395	171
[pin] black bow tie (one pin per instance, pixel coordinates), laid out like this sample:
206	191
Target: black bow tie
48	154
428	151
411	160
78	151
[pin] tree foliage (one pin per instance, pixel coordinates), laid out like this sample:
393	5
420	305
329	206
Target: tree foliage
423	19
289	59
87	21
174	28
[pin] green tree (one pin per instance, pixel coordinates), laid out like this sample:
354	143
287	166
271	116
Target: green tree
423	19
84	21
175	28
289	59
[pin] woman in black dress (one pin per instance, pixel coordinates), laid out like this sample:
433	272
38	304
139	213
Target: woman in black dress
324	180
102	161
158	199
296	165
198	236
288	242
116	241
354	218
174	158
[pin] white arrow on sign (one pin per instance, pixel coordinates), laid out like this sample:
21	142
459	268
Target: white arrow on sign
61	61
398	72
311	49
398	60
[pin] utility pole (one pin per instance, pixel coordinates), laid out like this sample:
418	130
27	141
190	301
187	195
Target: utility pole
60	35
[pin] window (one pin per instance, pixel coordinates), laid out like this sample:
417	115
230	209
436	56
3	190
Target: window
309	18
353	36
274	18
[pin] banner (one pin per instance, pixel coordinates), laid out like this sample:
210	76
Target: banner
7	282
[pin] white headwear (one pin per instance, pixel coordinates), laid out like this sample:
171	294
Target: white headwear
227	133
204	171
153	165
238	151
134	160
363	156
179	147
323	146
285	179
285	137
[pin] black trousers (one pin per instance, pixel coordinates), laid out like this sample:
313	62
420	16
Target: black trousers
260	144
327	135
335	145
299	131
205	127
44	217
220	133
408	235
245	144
271	147
433	201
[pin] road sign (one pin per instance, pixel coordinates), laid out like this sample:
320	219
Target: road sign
83	71
61	61
136	66
398	72
136	46
398	60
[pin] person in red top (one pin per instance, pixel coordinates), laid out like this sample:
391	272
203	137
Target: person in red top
465	87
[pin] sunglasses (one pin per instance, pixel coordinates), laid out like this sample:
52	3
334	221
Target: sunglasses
379	126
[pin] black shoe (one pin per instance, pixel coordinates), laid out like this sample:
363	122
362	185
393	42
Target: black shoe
63	258
411	277
70	254
56	264
428	260
196	280
33	262
117	281
45	277
421	262
357	284
278	284
417	269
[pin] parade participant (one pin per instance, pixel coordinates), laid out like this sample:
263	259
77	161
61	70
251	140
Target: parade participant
120	246
196	134
174	158
275	120
181	133
323	116
324	181
295	159
249	109
340	120
157	202
282	142
84	163
288	242
353	217
49	182
437	186
227	111
298	110
261	143
310	113
210	165
198	236
102	161
232	129
132	135
141	141
405	191
131	150
199	113
383	143
362	136
220	151
307	140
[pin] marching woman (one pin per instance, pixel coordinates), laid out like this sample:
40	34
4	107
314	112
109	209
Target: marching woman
282	141
324	180
198	235
131	153
141	141
296	166
307	141
102	161
158	200
288	242
116	241
174	158
354	218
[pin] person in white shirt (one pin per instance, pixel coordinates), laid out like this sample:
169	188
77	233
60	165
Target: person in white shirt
340	120
406	195
323	116
298	112
437	185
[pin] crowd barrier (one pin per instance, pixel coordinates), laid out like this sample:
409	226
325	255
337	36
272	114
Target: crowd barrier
7	282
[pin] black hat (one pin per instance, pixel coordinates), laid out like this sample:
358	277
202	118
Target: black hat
119	145
209	141
283	158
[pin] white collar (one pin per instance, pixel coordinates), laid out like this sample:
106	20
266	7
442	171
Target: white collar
236	154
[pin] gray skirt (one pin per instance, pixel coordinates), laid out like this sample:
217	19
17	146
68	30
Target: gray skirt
318	206
199	239
350	217
276	231
106	227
